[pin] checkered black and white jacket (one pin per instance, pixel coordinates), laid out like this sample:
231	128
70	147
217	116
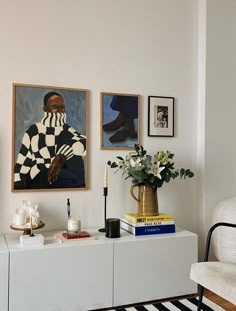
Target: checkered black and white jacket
43	141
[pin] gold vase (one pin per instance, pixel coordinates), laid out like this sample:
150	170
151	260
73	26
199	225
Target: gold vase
147	200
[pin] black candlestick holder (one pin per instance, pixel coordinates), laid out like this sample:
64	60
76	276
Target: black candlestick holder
105	193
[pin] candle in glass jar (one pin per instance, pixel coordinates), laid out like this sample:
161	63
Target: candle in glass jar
74	225
105	177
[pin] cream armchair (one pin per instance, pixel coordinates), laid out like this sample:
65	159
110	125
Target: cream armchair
217	276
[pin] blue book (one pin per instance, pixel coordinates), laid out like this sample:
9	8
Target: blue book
147	230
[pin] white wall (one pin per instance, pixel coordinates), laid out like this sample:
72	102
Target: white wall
140	47
220	108
201	120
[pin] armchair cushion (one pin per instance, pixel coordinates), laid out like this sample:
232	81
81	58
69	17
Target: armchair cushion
219	277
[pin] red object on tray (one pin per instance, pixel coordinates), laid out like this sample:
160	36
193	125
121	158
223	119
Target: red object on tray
82	234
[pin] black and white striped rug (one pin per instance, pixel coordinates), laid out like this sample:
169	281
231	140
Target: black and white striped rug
189	304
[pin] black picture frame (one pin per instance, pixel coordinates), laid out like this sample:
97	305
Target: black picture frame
161	116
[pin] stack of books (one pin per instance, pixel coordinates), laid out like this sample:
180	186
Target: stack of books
146	225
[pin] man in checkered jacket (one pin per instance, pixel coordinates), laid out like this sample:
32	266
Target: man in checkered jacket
51	152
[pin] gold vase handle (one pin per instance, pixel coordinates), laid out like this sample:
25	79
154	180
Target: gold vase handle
132	193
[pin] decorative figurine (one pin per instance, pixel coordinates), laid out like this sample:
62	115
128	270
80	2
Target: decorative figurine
31	211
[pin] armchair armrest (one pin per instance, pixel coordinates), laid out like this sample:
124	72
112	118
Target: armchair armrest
208	242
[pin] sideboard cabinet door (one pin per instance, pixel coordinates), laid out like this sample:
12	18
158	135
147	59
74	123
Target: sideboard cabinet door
154	267
61	278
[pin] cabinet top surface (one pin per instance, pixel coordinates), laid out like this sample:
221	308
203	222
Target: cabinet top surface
3	245
51	240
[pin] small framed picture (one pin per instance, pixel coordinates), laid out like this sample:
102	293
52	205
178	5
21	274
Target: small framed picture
119	120
160	116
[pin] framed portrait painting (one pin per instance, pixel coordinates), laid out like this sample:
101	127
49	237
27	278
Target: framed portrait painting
160	116
119	120
49	138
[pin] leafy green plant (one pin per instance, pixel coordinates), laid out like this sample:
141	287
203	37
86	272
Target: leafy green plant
144	169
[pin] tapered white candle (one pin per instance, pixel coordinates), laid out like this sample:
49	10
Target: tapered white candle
105	177
31	226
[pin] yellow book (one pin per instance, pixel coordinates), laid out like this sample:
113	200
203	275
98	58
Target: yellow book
136	218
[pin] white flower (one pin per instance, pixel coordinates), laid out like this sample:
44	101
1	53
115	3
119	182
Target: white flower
163	157
156	169
132	163
135	163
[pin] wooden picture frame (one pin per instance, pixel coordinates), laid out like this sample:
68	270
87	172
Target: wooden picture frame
119	115
49	138
160	116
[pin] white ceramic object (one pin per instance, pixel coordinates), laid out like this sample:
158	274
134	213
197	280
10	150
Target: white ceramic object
19	218
224	238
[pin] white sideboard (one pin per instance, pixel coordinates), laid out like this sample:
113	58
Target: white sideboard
4	259
100	273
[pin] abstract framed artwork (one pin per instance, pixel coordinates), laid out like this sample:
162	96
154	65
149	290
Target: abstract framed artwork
119	120
49	138
160	116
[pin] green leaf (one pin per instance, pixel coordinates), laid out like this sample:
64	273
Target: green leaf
136	147
113	165
120	158
182	171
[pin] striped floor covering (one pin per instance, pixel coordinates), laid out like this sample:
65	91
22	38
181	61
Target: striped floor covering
183	304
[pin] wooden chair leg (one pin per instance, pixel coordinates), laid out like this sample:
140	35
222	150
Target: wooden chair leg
201	291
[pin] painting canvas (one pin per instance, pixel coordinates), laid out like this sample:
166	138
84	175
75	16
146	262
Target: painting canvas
119	120
49	138
160	116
